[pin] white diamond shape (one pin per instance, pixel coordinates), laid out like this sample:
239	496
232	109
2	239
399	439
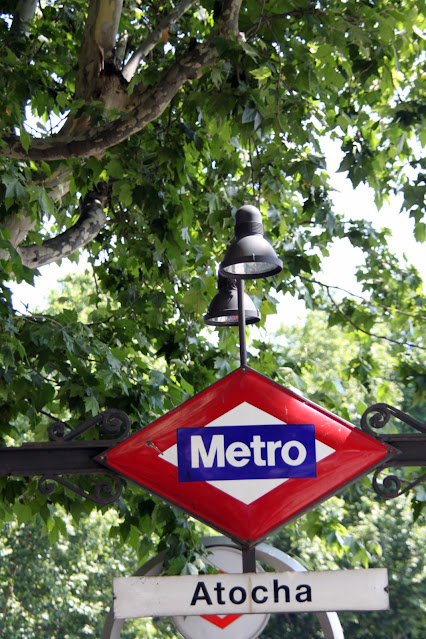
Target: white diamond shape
247	490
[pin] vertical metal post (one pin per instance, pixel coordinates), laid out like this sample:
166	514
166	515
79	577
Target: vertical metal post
242	322
249	560
248	556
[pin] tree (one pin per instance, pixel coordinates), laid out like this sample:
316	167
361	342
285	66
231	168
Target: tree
363	533
72	559
75	572
144	132
137	130
355	528
58	586
169	117
168	110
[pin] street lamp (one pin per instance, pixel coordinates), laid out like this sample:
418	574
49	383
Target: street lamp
249	256
223	309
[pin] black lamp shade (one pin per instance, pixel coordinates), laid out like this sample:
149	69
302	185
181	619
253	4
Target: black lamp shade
250	256
223	309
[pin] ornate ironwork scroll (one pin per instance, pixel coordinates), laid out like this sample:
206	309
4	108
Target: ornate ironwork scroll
391	486
104	492
409	449
378	415
114	426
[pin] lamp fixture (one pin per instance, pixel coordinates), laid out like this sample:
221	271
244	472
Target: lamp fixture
223	309
250	256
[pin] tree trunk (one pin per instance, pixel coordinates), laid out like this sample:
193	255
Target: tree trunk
98	78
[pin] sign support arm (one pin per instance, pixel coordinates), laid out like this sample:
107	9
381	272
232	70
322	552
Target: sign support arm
64	455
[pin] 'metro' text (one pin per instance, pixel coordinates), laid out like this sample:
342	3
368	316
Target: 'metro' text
246	452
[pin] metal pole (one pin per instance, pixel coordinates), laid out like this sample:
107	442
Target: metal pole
242	322
249	560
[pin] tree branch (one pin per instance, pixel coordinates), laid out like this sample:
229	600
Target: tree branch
20	224
147	105
98	77
84	230
23	14
365	301
299	13
97	45
150	102
363	330
142	51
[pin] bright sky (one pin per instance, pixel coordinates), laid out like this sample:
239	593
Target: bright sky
339	268
359	204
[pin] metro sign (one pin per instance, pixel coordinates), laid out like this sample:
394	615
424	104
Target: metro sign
246	456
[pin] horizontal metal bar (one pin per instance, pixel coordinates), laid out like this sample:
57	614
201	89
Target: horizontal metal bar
52	458
78	458
411	449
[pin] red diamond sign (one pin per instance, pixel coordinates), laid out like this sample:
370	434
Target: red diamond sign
246	456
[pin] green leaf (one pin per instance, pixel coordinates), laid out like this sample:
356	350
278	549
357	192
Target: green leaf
346	163
23	512
420	232
262	73
125	193
249	50
114	168
188	388
25	139
249	114
46	202
91	405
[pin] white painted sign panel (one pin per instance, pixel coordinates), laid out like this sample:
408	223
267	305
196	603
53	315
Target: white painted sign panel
251	593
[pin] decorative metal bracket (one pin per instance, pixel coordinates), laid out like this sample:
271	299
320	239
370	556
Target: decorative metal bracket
410	449
64	455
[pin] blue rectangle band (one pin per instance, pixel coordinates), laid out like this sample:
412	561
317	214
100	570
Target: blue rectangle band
246	452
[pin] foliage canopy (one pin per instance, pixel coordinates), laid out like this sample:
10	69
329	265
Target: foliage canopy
137	130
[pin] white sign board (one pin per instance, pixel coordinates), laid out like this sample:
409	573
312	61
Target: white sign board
251	593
